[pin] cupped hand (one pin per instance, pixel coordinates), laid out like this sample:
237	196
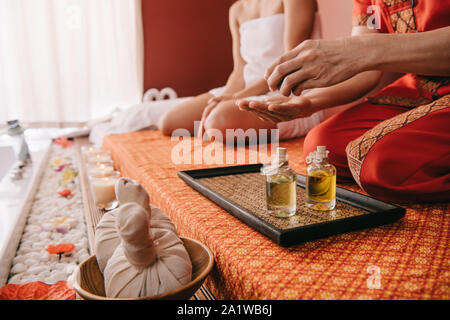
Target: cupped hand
278	108
313	64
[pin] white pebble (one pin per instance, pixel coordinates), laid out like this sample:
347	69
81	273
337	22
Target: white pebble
83	243
25	280
32	229
44	235
83	258
15	279
44	256
68	238
39	245
48	226
59	266
33	255
31	237
31	262
38	269
70	268
33	220
25	249
19	268
72	222
18	259
80	252
57	276
45	274
33	278
57	236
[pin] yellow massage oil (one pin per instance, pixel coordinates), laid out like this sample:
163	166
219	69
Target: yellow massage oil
281	183
320	181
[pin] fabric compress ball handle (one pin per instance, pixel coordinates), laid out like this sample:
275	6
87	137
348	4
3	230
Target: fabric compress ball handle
133	226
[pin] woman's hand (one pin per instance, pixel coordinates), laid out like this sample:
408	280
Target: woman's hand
314	64
278	108
220	98
212	104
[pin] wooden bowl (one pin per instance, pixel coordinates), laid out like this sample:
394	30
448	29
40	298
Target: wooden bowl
89	283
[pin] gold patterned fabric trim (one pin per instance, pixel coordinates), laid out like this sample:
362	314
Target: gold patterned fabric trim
399	101
432	84
403	21
428	84
357	149
390	3
360	20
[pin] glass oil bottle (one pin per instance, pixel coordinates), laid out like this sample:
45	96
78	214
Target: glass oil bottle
320	181
281	181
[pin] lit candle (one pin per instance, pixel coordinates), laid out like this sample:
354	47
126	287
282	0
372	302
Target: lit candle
103	190
88	151
99	157
100	170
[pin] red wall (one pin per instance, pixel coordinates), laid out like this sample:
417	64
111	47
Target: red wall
187	44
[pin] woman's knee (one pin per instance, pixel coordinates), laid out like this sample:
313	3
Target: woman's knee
166	124
217	122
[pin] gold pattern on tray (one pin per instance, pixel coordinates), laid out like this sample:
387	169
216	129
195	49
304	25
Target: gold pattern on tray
248	191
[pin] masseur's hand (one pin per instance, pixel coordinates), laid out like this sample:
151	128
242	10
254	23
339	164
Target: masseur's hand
278	108
314	64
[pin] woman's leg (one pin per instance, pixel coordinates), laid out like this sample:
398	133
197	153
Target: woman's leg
228	116
184	115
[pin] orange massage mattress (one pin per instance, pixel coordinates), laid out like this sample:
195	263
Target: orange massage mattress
406	260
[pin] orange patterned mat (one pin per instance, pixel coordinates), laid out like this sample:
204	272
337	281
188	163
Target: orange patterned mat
406	260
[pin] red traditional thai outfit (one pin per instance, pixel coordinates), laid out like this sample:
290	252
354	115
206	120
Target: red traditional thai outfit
395	145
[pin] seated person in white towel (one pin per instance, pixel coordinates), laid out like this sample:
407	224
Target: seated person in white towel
262	30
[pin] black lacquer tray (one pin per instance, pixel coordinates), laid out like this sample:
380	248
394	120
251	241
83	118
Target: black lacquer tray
240	190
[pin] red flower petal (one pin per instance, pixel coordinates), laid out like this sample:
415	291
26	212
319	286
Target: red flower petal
60	291
65	193
38	291
60	248
31	291
63	142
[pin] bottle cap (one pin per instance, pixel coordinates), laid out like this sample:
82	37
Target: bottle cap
280	159
318	155
281	154
321	153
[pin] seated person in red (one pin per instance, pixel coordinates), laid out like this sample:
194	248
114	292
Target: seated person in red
396	144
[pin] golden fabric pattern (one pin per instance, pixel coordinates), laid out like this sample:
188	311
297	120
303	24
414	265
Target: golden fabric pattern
403	21
430	85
